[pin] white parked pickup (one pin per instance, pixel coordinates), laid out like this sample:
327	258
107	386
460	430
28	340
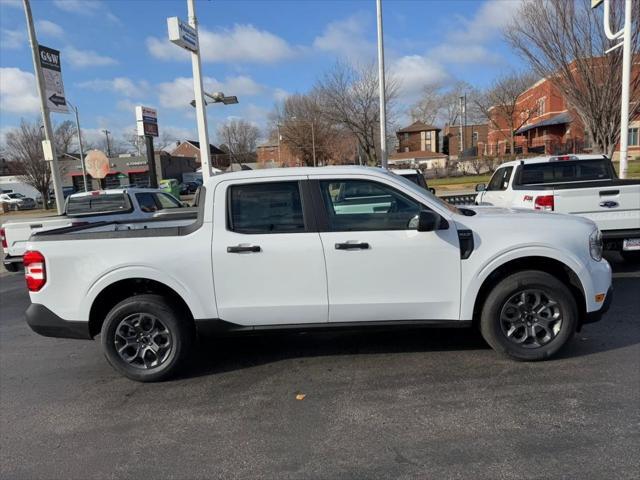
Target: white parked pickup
585	185
83	208
302	248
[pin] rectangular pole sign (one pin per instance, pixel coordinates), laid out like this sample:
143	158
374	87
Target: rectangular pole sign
182	34
52	73
147	121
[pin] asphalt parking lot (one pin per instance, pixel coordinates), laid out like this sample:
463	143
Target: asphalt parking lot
413	404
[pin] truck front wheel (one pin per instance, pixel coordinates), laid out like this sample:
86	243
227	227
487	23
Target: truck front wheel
145	339
529	315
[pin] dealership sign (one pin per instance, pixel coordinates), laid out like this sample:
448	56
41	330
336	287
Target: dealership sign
182	34
147	121
52	73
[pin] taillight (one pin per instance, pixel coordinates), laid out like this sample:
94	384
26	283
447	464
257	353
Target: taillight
3	238
34	270
545	202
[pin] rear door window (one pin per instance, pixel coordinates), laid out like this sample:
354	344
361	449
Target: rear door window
259	208
147	202
98	204
500	179
167	201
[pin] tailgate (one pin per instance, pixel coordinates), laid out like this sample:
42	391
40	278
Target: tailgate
17	234
612	207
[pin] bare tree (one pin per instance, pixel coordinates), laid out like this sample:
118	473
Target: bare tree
564	42
499	103
349	98
65	135
440	104
24	150
240	137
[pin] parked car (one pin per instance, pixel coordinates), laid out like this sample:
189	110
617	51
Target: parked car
83	208
281	249
585	185
415	175
17	201
188	188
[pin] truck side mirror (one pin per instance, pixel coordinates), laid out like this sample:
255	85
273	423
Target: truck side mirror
481	187
428	221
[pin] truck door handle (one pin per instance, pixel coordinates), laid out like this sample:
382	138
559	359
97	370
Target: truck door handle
352	246
244	248
609	192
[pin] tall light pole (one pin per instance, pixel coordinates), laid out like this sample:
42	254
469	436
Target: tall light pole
383	106
84	171
201	115
46	120
624	34
106	134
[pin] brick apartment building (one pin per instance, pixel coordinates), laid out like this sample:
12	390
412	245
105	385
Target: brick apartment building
418	146
191	148
475	139
341	150
547	125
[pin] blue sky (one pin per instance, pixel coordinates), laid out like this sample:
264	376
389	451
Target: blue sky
115	54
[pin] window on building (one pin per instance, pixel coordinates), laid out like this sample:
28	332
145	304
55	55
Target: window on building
633	137
459	137
259	208
541	106
475	138
406	136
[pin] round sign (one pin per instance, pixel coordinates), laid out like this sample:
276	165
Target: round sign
97	164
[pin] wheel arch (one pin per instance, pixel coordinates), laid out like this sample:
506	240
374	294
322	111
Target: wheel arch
119	290
552	266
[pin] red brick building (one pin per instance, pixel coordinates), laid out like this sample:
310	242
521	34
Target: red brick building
547	125
191	148
475	139
419	137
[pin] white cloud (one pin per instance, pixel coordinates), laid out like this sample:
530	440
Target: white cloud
18	92
347	38
82	7
488	21
86	58
179	92
122	85
280	94
242	43
415	71
459	53
12	39
47	28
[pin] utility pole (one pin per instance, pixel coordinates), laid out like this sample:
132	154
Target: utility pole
383	106
313	144
46	120
461	146
201	115
106	133
625	34
84	170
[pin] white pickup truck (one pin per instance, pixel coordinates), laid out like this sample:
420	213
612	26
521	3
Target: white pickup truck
585	185
83	208
302	248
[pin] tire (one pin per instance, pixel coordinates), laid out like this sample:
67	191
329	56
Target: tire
506	319
160	339
630	257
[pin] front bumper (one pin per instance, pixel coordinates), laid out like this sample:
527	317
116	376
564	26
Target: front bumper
44	322
592	317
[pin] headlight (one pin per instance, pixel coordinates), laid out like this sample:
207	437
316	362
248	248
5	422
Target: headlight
595	245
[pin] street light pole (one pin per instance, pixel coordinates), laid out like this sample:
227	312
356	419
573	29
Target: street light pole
106	134
84	171
383	106
313	144
46	120
201	116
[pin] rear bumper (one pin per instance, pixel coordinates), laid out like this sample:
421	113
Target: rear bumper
592	317
12	263
612	239
44	322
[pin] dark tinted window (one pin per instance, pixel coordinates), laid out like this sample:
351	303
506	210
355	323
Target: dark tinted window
266	208
360	205
500	179
167	201
96	204
147	202
564	171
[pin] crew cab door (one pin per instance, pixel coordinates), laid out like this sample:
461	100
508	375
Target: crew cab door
268	263
498	193
379	267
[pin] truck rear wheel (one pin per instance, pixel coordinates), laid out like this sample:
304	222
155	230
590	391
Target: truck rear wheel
529	315
145	339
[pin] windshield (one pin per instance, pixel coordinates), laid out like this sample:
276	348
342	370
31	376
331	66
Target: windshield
415	188
98	204
15	195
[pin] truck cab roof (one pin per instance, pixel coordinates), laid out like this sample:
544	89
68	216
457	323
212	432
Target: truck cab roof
553	158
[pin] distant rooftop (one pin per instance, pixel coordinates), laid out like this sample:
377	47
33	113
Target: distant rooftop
418	127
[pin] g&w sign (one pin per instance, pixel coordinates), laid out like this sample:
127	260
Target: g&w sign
52	73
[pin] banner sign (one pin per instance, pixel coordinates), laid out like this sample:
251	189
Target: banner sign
52	73
147	121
